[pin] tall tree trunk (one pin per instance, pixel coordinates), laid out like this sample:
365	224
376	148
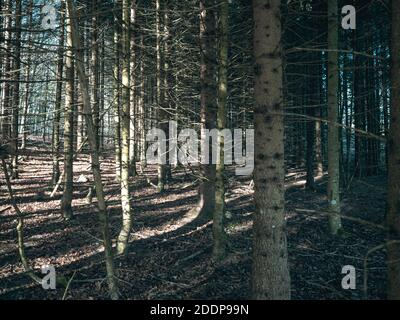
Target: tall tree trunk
167	82
310	128
133	107
123	237
57	106
102	93
385	107
95	71
393	208
270	274
44	108
318	128
117	97
359	114
27	79
79	121
161	115
370	106
16	91
66	202
103	215
219	212
208	103
141	110
79	116
1	60
333	118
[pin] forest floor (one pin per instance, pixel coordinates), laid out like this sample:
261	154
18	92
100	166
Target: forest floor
170	251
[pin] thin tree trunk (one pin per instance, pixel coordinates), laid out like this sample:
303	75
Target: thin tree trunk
102	93
79	116
57	107
16	91
44	108
393	208
318	132
333	109
133	107
359	115
160	95
27	78
117	98
208	103
1	61
310	130
219	212
66	202
141	111
386	107
166	107
95	72
123	237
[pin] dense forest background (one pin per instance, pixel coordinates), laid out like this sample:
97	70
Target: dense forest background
83	81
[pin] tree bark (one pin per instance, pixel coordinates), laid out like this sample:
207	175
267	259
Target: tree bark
161	114
95	71
57	106
167	83
123	237
393	208
117	97
141	111
318	129
270	274
16	91
310	128
208	103
219	212
27	78
133	105
333	118
66	202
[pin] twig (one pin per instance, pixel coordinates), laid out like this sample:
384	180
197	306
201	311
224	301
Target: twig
68	285
192	256
4	210
338	50
336	124
361	221
151	183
